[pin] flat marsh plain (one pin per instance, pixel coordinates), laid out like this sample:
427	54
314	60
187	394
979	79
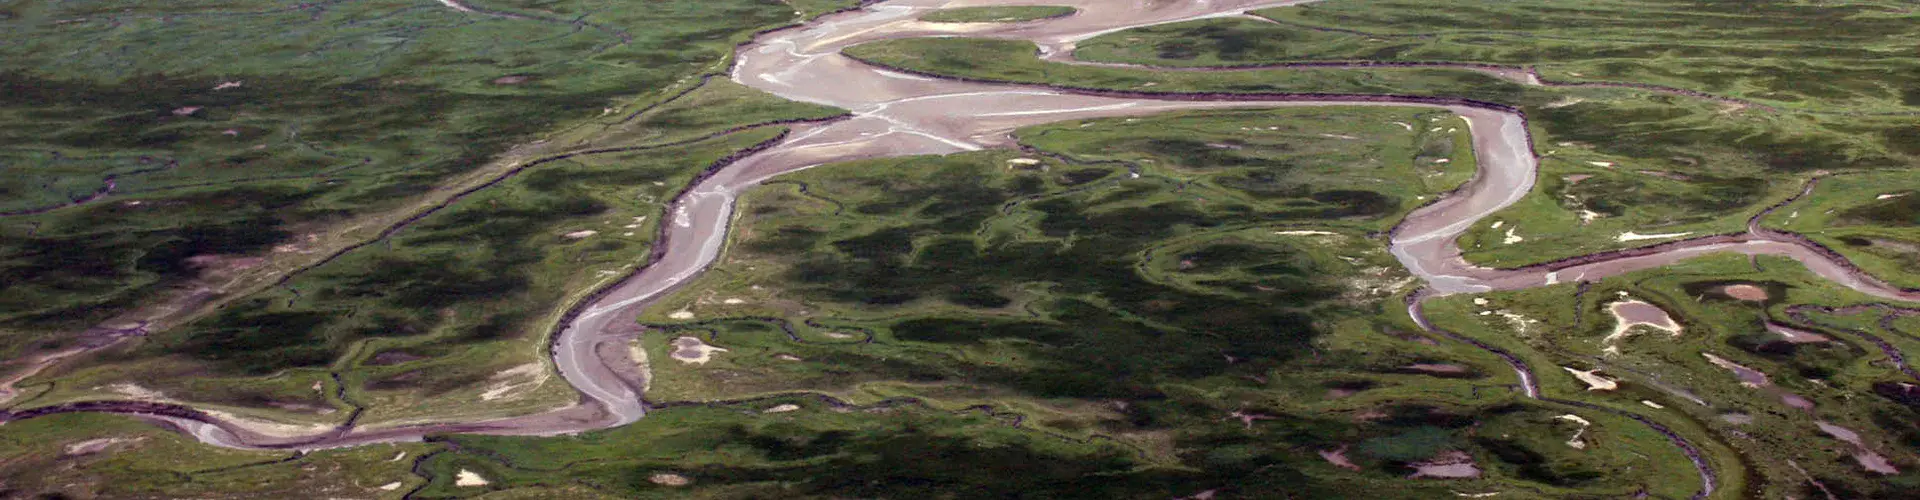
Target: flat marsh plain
377	210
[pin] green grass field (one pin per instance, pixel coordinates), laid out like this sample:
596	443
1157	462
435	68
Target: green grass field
98	456
455	305
1090	305
1614	161
1871	218
1767	52
1194	304
452	301
332	116
1753	428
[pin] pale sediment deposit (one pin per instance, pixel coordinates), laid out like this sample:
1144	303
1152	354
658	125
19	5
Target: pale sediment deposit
469	478
1592	378
691	350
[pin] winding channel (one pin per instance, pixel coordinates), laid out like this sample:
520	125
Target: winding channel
899	114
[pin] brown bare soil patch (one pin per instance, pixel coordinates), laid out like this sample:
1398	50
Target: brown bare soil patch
691	350
1447	465
669	479
224	264
1439	369
1338	458
1745	292
92	446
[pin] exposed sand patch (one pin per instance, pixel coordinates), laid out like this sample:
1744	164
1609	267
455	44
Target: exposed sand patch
1306	233
1602	164
397	457
783	408
1371	414
269	428
1447	465
641	364
581	234
186	110
1588	216
837	335
1653	405
669	479
691	350
136	392
223	264
390	486
1632	236
734	302
1512	238
1576	178
504	382
1564	102
1247	418
681	315
1575	441
512	80
1797	336
787	357
1204	495
1890	196
228	85
1745	292
1594	381
469	478
1405	125
92	446
1520	323
1338	458
1024	162
456	5
1736	418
